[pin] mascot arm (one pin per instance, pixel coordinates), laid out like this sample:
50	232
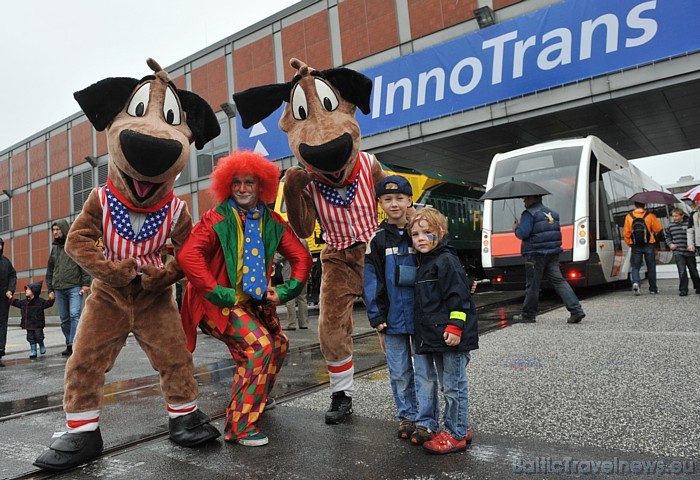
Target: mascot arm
195	257
300	260
378	172
81	246
300	207
154	278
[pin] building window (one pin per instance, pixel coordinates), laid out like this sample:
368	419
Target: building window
82	186
4	216
213	151
102	174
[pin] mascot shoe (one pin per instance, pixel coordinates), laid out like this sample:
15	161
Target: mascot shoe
70	450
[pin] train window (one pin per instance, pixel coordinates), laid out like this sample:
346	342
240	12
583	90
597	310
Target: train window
556	170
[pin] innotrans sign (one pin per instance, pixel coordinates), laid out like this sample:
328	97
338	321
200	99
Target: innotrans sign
567	42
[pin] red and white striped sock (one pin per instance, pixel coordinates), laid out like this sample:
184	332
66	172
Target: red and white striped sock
83	421
175	411
341	375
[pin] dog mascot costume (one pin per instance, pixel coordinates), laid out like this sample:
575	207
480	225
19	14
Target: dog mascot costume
150	125
335	185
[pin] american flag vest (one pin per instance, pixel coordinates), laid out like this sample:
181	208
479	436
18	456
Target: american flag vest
350	220
120	241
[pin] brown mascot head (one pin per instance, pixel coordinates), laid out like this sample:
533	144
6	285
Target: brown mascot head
319	117
150	125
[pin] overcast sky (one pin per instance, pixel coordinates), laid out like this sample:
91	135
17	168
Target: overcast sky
50	49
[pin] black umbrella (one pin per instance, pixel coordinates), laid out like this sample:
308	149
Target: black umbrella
654	196
513	189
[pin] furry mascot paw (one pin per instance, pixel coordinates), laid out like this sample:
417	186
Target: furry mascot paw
335	185
150	124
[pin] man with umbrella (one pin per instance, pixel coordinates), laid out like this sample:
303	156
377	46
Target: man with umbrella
540	233
640	237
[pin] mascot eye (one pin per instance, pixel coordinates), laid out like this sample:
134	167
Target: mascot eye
326	95
171	108
300	109
139	102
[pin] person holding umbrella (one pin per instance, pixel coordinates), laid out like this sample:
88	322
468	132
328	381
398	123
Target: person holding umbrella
540	233
639	232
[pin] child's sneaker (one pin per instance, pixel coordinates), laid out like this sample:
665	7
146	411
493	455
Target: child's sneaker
635	289
444	443
406	428
421	435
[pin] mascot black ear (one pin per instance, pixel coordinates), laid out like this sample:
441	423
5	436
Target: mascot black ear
200	118
353	86
103	100
257	103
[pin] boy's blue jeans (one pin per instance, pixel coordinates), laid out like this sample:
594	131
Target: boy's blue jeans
399	361
70	304
449	371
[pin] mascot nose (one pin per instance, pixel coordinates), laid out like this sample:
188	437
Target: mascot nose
331	156
150	156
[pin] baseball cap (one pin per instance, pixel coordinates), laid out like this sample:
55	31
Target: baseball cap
394	184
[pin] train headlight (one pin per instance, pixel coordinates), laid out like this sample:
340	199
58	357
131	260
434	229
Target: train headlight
486	250
581	241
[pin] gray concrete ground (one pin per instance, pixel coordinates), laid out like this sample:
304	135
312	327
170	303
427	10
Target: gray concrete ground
615	396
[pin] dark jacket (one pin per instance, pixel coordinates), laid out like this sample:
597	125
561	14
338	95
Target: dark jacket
8	276
539	230
62	272
442	298
32	310
386	301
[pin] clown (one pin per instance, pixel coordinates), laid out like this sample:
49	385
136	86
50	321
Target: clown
150	124
335	184
227	259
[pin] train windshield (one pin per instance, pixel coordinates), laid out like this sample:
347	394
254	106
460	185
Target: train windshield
556	170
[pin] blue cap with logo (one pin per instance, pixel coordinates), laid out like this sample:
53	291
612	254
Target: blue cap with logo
394	184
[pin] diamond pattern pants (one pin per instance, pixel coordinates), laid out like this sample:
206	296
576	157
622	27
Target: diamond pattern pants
258	352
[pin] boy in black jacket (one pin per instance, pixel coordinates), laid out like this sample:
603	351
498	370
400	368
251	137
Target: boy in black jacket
445	332
33	319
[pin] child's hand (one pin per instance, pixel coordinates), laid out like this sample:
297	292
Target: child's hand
451	339
8	294
673	246
52	296
380	327
691	248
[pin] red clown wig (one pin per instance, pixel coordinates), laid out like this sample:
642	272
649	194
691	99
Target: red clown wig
241	163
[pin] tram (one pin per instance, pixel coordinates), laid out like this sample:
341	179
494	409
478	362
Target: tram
457	199
590	185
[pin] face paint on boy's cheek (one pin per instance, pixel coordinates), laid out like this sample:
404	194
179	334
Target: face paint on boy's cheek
432	238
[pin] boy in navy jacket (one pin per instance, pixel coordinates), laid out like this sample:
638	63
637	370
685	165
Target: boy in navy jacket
445	333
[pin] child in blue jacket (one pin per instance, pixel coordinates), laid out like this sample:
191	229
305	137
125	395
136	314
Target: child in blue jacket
390	268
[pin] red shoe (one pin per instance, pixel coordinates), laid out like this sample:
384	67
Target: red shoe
444	443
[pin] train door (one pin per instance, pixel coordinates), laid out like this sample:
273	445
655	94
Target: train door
608	245
618	189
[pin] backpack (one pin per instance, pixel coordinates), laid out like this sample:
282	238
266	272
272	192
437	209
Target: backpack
640	232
